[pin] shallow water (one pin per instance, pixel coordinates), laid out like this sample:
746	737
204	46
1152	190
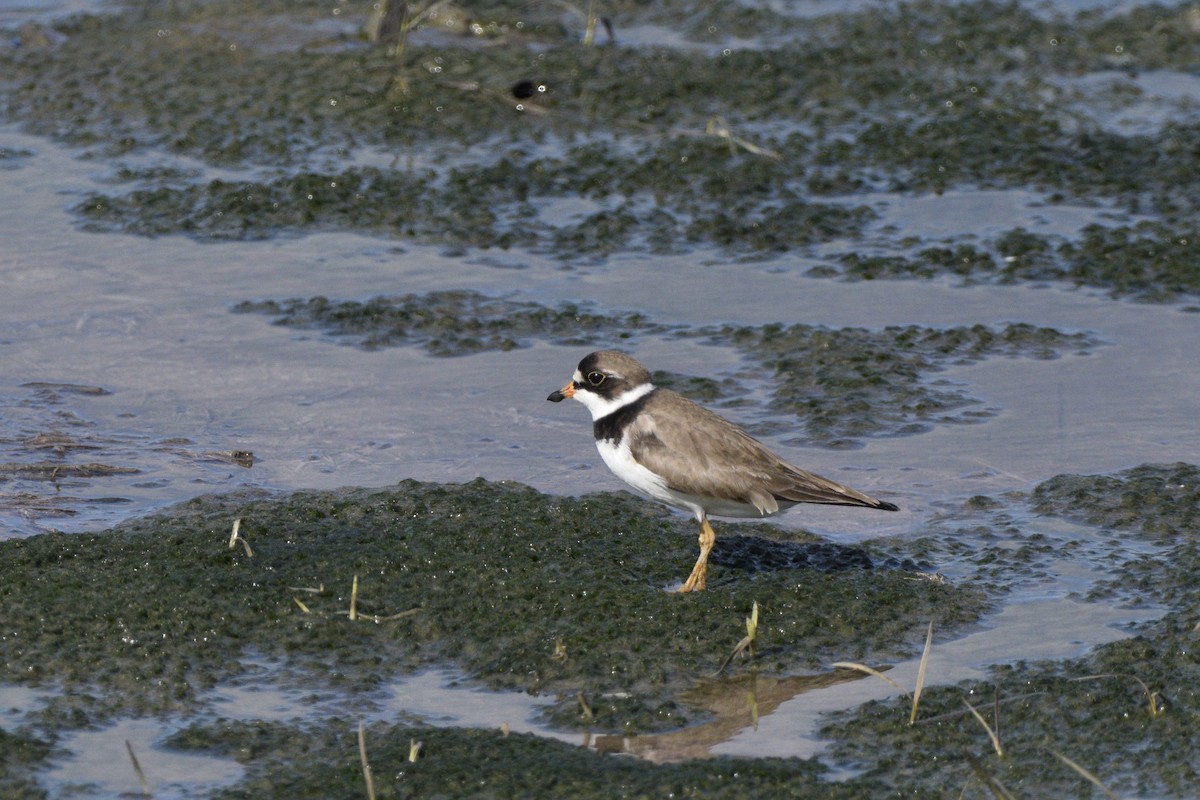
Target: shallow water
185	381
124	349
147	321
102	766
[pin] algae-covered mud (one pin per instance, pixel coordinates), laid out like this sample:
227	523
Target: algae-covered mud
473	129
451	323
19	756
1131	706
524	590
500	768
564	598
344	591
943	252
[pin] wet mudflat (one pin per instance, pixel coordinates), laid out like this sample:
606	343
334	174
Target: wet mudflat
944	253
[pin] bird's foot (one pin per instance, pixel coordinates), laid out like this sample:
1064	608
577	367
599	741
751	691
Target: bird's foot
696	581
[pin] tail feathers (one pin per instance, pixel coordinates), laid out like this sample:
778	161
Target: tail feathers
855	499
805	487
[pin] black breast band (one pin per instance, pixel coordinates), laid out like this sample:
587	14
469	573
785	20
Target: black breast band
612	427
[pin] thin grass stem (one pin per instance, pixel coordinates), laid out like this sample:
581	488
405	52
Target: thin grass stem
988	780
137	770
870	671
1088	775
992	734
362	757
912	717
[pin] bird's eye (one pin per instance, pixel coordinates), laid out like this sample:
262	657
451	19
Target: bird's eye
595	378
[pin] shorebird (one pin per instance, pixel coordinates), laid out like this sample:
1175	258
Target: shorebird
672	450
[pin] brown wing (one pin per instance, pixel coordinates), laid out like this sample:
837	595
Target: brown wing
712	457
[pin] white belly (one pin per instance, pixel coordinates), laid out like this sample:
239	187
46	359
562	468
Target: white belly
620	461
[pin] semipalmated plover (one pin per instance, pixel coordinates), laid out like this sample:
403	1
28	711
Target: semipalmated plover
672	450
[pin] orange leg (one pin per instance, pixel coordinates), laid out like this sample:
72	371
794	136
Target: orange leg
695	581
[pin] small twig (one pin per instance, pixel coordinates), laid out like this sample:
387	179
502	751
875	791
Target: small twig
1089	776
869	671
362	756
589	30
137	769
994	786
588	714
236	536
388	617
747	642
353	613
414	750
413	21
719	128
590	18
996	708
946	716
912	717
992	734
1155	700
915	695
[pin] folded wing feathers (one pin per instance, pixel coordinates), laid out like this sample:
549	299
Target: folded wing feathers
748	473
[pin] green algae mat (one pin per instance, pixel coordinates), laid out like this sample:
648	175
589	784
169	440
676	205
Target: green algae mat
522	590
768	147
568	598
753	152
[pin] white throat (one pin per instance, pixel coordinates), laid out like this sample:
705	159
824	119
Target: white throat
602	407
